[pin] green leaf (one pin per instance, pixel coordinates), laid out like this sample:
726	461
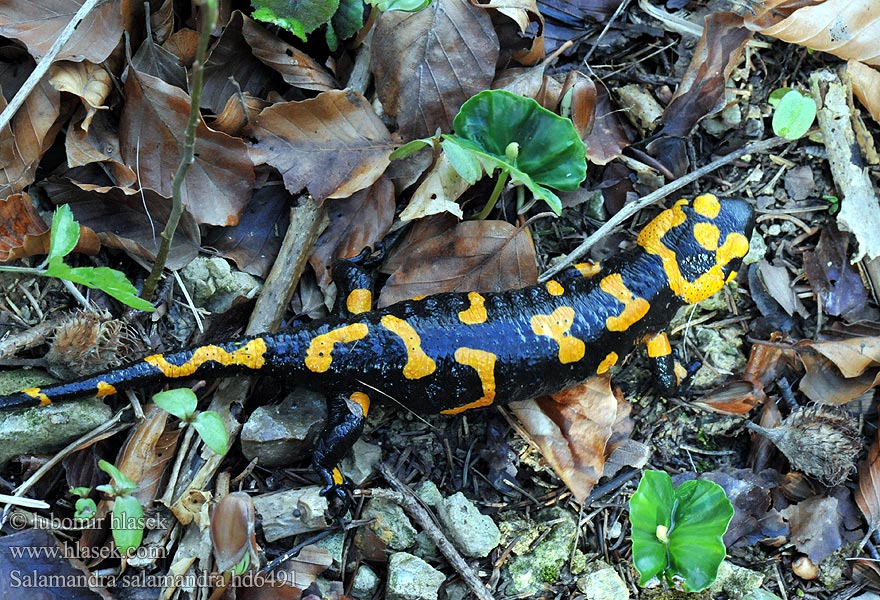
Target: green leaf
549	153
110	281
122	485
180	402
794	115
679	532
81	491
347	21
85	508
64	235
401	5
410	148
127	523
464	161
300	17
777	95
212	430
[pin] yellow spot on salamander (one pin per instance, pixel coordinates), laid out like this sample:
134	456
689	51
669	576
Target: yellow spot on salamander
418	364
707	236
105	389
634	308
609	361
554	288
556	326
588	269
251	355
476	313
338	477
36	393
732	276
362	400
707	205
417	298
359	301
658	346
319	354
484	364
712	280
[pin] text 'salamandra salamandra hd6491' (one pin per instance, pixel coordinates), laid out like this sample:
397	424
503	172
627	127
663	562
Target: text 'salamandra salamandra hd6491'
452	352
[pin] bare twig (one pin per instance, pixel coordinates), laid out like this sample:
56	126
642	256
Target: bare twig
630	209
209	17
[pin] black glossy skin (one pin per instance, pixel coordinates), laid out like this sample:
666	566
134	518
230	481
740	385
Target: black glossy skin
526	364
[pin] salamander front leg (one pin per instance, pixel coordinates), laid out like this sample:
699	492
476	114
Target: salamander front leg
345	424
354	281
668	372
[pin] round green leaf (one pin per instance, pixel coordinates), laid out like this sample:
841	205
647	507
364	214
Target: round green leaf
679	532
127	523
794	115
551	152
212	430
180	402
700	519
650	507
121	484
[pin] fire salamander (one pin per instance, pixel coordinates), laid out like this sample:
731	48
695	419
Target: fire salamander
454	352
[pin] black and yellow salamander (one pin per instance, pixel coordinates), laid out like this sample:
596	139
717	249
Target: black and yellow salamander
453	352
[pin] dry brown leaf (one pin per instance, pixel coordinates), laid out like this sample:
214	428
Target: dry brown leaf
100	144
151	129
823	381
146	452
30	133
866	86
732	398
437	193
22	232
440	256
239	112
848	29
355	223
868	494
37	23
183	44
232	68
117	216
701	91
90	82
852	356
296	67
608	137
233	521
333	144
571	429
524	13
426	64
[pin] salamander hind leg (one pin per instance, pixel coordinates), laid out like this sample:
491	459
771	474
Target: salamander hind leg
669	374
346	414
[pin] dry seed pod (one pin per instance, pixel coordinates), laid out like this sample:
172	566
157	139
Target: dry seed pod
86	343
820	440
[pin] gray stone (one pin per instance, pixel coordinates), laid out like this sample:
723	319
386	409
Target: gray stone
531	572
285	433
429	494
411	578
472	532
214	285
360	464
602	583
390	524
735	582
365	583
291	512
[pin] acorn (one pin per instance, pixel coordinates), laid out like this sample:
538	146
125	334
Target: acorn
820	440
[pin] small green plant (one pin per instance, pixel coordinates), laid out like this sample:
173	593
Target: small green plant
678	531
528	144
127	518
833	204
794	113
62	240
85	506
208	424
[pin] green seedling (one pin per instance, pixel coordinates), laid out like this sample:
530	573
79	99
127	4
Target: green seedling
794	113
208	424
528	144
127	518
678	531
62	241
85	506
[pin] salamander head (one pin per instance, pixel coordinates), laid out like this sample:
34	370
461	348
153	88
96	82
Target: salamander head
700	244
